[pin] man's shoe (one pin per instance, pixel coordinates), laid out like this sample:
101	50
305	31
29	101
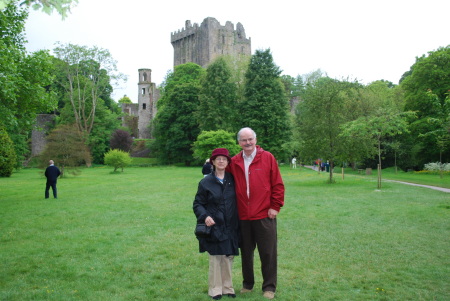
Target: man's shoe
218	297
245	290
231	295
269	295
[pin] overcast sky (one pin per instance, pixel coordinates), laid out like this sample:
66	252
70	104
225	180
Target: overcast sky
360	39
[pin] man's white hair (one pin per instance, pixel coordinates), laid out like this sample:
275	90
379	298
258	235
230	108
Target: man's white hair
244	129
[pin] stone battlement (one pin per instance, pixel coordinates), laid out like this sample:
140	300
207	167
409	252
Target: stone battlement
201	44
184	32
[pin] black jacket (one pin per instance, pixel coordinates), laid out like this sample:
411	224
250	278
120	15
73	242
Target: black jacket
218	201
52	173
207	168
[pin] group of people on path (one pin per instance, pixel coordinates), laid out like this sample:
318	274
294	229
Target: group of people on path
320	165
240	199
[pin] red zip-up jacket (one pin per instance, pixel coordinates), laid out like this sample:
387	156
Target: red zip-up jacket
266	185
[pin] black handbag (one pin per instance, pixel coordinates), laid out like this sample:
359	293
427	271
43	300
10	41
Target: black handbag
202	231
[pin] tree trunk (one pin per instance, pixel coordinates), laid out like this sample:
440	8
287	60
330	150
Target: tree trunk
331	170
379	163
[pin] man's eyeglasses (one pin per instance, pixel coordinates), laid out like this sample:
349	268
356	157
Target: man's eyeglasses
247	140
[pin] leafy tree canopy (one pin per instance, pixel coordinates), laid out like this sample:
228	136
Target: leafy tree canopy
61	6
175	125
426	92
218	94
7	154
430	72
265	106
327	104
24	80
85	76
125	99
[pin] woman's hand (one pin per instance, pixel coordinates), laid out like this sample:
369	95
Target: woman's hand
209	221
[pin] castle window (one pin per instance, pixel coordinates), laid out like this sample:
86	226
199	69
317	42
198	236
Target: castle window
144	106
143	91
145	77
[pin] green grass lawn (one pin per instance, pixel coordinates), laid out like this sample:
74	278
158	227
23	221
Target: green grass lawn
129	236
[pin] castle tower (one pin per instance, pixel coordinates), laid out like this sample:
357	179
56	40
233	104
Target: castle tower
147	97
202	44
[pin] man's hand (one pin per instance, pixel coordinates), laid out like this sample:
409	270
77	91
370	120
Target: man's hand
272	213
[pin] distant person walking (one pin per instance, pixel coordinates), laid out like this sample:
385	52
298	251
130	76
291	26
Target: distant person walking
294	163
51	173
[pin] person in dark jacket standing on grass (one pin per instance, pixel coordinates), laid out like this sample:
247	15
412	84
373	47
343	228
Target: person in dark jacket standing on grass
207	168
215	205
260	196
51	173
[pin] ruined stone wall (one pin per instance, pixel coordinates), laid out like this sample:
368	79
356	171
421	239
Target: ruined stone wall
202	44
44	122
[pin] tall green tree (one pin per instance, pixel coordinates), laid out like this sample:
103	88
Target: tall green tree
365	102
24	80
84	78
294	89
429	73
217	109
319	117
265	107
106	122
440	123
385	122
88	73
175	125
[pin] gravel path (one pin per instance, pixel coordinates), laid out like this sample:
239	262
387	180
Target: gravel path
426	186
412	184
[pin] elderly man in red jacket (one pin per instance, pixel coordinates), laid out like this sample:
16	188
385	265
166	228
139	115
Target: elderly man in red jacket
260	195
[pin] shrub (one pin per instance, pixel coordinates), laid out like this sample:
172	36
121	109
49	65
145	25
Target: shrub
117	159
121	140
207	141
437	166
7	154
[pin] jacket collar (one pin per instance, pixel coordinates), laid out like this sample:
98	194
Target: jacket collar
240	156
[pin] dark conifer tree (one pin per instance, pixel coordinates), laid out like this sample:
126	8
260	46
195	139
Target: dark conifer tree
265	106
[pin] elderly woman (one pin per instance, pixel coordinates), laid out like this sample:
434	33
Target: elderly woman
215	205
